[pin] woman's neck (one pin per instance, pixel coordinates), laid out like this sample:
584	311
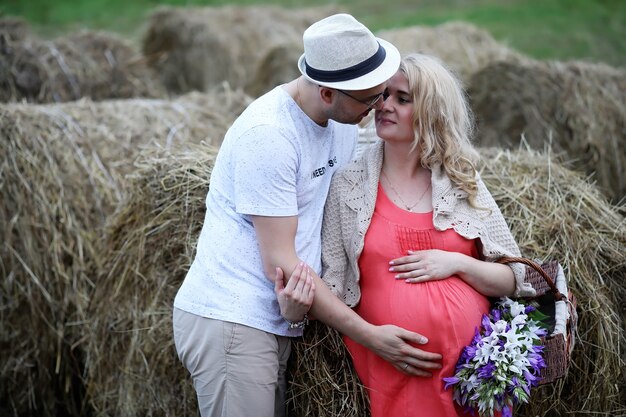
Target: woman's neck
400	162
404	180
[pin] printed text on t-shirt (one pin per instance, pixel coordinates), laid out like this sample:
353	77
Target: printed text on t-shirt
322	170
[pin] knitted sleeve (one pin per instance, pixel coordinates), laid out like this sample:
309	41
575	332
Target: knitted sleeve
486	223
335	261
498	240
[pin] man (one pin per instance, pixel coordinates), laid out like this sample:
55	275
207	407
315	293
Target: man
264	213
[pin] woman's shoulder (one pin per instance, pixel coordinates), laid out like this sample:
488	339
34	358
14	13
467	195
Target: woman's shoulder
353	169
347	175
367	158
350	181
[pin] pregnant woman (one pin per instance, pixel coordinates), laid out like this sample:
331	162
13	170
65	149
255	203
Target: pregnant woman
410	235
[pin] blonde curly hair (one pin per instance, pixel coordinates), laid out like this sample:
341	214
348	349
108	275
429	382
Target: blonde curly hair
442	121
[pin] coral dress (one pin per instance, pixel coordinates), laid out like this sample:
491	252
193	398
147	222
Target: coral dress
446	311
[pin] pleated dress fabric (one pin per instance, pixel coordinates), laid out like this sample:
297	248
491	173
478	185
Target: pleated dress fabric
446	311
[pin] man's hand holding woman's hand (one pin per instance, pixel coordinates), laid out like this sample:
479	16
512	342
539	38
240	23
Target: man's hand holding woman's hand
296	297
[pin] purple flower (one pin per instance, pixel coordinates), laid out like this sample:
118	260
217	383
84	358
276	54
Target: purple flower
474	383
486	323
467	354
540	363
530	379
538	348
471	352
487	370
536	362
450	381
477	337
469	410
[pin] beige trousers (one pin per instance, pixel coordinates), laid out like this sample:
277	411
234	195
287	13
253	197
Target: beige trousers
237	371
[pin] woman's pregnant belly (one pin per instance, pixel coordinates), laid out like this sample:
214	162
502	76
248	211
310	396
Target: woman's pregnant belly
446	311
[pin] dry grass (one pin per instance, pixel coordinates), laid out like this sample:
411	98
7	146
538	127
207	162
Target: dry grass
278	66
555	214
323	381
63	173
129	366
97	65
104	203
577	108
462	46
198	48
150	241
13	29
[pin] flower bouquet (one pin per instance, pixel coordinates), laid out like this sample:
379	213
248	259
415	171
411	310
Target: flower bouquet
503	361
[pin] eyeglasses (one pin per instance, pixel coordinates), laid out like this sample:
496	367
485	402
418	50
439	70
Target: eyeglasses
371	103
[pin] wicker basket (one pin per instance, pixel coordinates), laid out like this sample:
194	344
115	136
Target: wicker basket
548	280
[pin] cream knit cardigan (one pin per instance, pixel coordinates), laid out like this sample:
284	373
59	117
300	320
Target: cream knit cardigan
350	206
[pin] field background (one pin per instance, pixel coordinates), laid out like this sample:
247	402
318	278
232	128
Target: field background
593	30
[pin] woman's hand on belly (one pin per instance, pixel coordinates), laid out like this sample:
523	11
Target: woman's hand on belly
396	346
489	278
426	265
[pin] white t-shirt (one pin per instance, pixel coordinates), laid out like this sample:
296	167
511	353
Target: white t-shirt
274	161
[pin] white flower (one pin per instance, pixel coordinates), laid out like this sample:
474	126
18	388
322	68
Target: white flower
486	351
498	355
506	301
499	326
519	320
512	336
517	309
533	329
498	371
518	364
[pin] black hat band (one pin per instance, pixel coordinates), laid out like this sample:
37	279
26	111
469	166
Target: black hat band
355	71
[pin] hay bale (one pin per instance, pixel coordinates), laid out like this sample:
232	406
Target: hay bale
132	365
63	174
97	65
197	48
553	213
462	46
580	107
322	379
133	369
13	28
278	66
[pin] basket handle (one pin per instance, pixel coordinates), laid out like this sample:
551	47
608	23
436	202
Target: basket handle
558	296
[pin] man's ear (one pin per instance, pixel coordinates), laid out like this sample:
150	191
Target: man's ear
327	94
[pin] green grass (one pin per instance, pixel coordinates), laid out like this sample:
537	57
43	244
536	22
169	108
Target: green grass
547	29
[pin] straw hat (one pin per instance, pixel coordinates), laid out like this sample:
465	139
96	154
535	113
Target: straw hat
340	52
